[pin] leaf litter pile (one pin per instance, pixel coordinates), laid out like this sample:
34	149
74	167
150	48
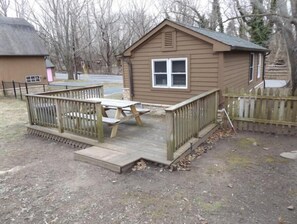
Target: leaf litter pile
185	163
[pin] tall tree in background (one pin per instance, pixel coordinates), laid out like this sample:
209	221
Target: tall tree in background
259	27
216	20
4	6
57	24
186	11
282	14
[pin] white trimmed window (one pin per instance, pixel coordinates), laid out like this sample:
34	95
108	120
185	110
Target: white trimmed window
170	73
251	67
260	65
33	78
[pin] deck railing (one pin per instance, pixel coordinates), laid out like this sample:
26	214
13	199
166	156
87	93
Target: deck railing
66	114
186	119
77	93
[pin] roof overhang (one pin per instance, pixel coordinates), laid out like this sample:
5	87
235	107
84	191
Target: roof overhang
249	49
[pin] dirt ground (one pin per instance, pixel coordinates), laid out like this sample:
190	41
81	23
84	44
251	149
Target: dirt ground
242	179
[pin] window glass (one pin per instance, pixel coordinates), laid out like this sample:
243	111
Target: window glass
161	79
179	66
178	79
259	65
160	66
251	67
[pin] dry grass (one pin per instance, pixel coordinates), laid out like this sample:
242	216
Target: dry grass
13	118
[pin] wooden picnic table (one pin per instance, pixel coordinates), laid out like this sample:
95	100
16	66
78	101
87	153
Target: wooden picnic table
121	107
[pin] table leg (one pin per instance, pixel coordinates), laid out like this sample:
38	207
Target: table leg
136	115
104	114
114	129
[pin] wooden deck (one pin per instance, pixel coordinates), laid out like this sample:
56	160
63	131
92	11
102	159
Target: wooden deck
132	143
161	139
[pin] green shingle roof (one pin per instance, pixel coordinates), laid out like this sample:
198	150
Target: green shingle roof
234	42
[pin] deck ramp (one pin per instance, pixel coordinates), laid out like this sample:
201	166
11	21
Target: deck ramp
117	161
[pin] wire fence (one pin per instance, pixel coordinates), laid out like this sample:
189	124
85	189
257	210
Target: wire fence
18	90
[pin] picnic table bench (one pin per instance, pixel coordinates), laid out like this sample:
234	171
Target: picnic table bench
121	107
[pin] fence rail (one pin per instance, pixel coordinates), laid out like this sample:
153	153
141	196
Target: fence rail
186	119
20	89
264	106
77	93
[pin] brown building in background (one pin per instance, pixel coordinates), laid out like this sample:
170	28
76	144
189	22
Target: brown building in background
174	62
22	54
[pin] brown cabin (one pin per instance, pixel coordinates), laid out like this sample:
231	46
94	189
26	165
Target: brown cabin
174	62
22	54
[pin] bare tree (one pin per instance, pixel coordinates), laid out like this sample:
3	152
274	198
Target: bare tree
58	26
283	14
186	11
22	8
216	17
4	6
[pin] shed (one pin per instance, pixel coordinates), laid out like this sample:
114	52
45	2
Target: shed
22	54
175	61
50	70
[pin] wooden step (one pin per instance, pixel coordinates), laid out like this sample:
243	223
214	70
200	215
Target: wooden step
110	159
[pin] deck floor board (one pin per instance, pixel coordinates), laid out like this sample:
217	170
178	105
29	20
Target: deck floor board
131	144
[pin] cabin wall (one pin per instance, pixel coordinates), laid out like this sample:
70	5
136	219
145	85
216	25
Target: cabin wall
236	71
17	68
202	68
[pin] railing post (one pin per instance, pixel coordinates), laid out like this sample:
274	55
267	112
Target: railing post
20	88
3	86
26	85
99	123
170	135
101	92
59	116
14	91
216	106
29	110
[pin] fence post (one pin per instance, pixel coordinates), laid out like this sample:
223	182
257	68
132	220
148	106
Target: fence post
29	110
3	86
99	123
59	116
20	88
101	92
26	85
169	135
14	91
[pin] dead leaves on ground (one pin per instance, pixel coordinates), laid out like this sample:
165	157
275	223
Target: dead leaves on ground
185	163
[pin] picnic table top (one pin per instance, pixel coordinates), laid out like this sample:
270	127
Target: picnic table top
114	102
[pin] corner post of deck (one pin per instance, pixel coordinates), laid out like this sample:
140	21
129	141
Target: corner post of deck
99	123
170	135
29	110
59	116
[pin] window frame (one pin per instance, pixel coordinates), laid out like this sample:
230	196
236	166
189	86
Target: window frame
260	65
32	78
251	67
169	73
